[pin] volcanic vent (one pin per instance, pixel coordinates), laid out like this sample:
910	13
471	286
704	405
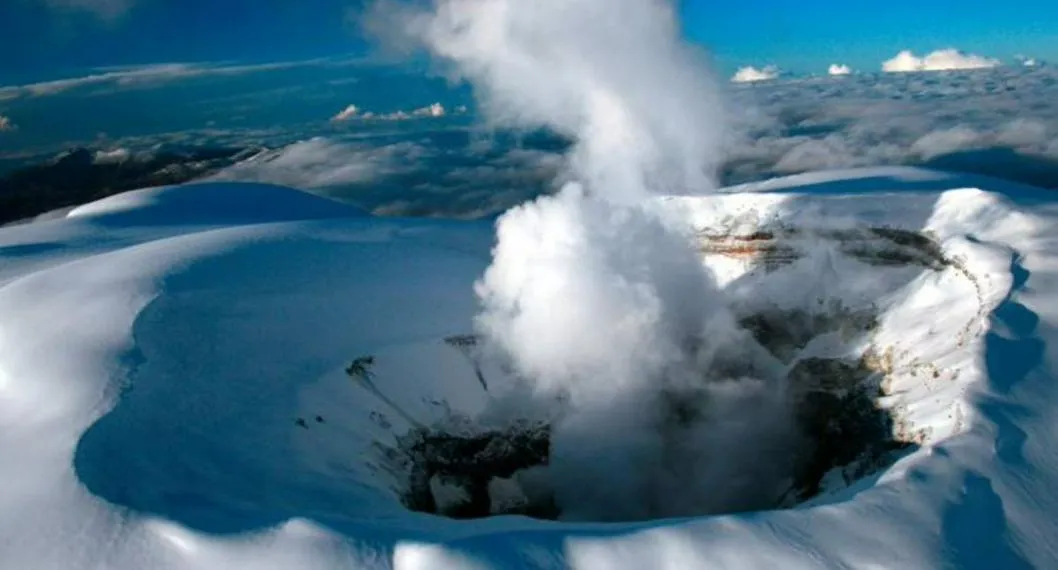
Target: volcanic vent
820	347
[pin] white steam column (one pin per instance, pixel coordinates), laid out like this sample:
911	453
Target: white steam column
595	293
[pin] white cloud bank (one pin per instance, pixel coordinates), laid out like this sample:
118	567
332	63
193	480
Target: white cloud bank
940	60
750	74
6	124
839	69
434	110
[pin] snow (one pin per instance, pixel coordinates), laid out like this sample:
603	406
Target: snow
158	348
211	204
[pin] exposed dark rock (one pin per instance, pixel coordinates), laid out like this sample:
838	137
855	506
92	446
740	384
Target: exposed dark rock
470	461
775	248
75	178
785	333
836	410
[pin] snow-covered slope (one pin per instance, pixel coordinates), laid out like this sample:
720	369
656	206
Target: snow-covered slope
210	203
173	390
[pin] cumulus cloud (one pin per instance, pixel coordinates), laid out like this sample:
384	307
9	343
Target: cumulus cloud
6	124
432	110
839	69
347	113
940	60
750	74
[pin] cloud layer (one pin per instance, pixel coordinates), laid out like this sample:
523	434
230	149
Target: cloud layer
1002	122
940	60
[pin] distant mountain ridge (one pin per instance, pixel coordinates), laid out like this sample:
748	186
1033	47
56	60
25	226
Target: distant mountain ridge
82	175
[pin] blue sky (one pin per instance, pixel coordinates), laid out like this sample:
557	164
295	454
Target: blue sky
806	35
63	37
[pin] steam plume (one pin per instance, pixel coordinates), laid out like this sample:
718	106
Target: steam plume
596	294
